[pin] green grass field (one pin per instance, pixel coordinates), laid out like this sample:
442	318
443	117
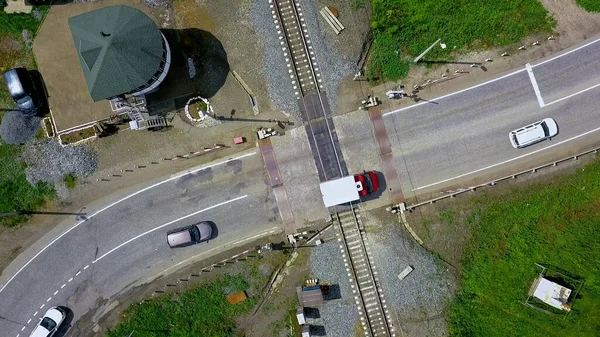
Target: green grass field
405	28
202	311
589	5
554	224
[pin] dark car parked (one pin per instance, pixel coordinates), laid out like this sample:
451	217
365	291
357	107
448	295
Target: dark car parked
21	89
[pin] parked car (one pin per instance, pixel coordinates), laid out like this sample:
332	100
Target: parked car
366	183
533	133
49	323
20	87
189	235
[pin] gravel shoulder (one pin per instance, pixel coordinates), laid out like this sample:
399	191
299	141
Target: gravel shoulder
418	303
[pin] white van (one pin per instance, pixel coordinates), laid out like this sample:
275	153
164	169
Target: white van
533	133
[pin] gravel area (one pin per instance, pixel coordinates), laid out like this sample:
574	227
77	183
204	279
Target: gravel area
338	317
333	65
49	162
279	84
417	302
18	129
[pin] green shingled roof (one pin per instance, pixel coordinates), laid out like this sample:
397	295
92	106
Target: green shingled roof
119	48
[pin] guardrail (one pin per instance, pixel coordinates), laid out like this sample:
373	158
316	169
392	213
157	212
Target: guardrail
495	181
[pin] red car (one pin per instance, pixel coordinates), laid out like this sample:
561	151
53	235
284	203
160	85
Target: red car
366	183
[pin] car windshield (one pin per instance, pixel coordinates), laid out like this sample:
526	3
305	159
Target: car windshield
194	234
545	127
48	323
23	99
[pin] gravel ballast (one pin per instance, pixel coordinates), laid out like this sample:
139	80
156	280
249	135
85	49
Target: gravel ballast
331	66
47	161
15	128
338	317
418	302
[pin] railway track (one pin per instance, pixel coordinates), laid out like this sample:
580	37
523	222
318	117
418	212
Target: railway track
373	313
306	80
296	45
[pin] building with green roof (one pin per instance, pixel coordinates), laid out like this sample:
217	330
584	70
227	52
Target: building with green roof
121	51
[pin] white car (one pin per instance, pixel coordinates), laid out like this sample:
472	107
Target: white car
533	133
49	323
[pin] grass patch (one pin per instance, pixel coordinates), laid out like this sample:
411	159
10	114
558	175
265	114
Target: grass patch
16	192
405	28
554	224
70	181
73	137
201	311
589	5
13	24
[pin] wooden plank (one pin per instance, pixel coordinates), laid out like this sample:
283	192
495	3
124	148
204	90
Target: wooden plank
328	20
335	20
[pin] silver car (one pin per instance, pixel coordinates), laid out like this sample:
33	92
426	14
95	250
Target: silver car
189	235
20	89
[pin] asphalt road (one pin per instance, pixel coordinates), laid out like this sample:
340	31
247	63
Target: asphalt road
434	145
440	143
127	242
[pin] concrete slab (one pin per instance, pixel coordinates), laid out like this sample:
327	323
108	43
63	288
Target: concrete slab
361	153
17	6
300	178
57	60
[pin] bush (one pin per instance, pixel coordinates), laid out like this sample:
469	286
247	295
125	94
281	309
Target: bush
70	181
589	5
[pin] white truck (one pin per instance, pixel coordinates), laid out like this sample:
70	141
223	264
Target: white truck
347	189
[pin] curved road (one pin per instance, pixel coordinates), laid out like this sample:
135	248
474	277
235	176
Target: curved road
126	241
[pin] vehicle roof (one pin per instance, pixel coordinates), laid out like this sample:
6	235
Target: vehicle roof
339	191
54	314
205	230
179	238
13	82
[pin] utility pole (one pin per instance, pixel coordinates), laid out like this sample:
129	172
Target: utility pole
428	49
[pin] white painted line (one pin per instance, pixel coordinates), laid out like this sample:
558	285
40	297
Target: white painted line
509	160
69	281
575	94
169	223
493	80
118	202
48	300
29	321
63	286
35	314
79	272
535	85
454	93
566	53
43	305
86	267
23	328
56	292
